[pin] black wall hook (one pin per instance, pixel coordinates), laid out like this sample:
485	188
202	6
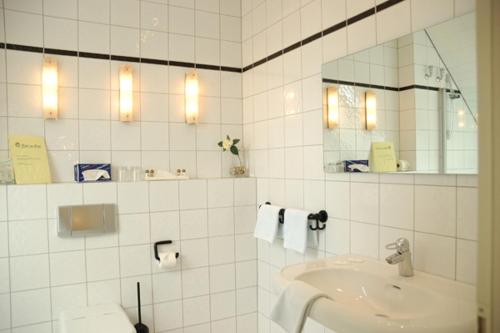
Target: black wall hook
320	217
165	242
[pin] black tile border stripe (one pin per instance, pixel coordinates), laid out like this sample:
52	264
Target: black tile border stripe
260	62
125	58
359	84
205	66
291	47
419	86
247	68
275	55
91	55
26	48
61	52
312	38
360	16
230	69
333	28
387	4
114	57
94	55
327	31
376	86
154	61
181	64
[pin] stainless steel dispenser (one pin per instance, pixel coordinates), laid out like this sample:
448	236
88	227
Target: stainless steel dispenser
75	221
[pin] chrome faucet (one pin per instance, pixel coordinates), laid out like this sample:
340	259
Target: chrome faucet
401	257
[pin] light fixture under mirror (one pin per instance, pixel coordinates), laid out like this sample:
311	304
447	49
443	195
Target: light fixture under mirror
332	107
417	92
370	110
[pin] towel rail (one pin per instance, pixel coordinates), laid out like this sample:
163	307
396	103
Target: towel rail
319	217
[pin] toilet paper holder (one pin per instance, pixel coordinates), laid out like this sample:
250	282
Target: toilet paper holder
165	242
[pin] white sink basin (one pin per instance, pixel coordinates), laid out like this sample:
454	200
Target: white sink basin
368	296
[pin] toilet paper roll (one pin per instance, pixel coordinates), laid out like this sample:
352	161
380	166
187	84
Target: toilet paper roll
403	165
167	260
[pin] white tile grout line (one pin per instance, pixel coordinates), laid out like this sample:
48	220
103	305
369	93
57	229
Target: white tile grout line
181	263
138	95
151	276
235	263
8	254
51	301
78	101
455	236
208	254
6	188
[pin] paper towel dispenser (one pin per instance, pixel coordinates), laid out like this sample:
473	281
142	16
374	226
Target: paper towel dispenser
83	220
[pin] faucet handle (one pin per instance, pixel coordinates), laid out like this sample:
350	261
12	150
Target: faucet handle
401	245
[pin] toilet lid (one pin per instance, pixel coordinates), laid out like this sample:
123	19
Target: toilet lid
104	318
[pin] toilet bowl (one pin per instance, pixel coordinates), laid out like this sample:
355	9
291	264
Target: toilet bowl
104	318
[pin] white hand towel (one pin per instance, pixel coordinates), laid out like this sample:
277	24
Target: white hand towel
266	227
295	230
293	305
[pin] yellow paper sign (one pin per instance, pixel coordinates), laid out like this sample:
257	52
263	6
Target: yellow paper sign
383	157
29	159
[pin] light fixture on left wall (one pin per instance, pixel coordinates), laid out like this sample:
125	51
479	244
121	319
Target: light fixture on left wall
50	98
191	94
126	94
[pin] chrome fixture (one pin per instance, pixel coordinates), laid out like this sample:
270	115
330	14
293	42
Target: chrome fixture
440	73
401	257
428	71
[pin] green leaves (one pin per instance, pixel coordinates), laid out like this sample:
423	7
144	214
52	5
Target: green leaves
234	150
228	144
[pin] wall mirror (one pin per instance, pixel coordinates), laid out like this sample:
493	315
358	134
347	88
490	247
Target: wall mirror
417	93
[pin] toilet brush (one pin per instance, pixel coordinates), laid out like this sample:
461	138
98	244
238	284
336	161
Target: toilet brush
140	327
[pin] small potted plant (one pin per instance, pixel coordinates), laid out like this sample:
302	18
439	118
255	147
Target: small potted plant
230	145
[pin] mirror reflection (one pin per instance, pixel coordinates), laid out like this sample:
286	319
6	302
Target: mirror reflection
408	105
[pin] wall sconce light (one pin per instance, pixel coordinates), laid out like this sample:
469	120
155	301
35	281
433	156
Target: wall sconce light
49	88
332	104
370	110
192	91
461	118
126	94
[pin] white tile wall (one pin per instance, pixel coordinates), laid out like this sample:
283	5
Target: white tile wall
366	211
88	130
214	283
219	264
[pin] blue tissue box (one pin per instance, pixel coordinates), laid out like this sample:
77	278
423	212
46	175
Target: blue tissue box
80	168
347	163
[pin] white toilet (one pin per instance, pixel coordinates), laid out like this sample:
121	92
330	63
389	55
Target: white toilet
105	318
